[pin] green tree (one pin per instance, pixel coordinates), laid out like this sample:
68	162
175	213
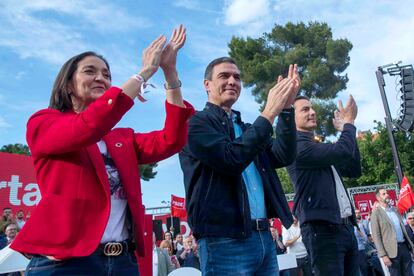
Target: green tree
285	180
377	160
320	58
16	148
147	171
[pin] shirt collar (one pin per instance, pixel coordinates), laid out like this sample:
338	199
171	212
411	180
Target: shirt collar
220	111
387	209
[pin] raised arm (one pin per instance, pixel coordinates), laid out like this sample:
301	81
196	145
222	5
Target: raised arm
52	132
168	65
341	153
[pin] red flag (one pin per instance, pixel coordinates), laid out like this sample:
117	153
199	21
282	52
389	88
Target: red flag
406	198
178	207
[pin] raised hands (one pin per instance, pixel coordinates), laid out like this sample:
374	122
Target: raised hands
338	121
156	55
345	114
169	54
151	57
293	74
283	94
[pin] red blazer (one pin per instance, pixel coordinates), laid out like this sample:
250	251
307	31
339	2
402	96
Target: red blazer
72	215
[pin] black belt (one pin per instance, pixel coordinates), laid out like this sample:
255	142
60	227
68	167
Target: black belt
260	224
113	249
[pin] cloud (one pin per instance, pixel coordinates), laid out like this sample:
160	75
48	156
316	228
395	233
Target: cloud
378	39
239	12
188	4
205	48
21	106
96	17
250	17
378	31
44	30
166	164
4	124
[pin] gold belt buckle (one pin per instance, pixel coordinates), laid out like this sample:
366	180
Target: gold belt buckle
113	249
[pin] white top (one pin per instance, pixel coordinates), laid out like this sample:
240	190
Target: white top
20	223
297	248
116	229
179	246
154	262
343	200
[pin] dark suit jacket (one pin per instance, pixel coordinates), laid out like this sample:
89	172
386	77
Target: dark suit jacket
410	232
313	178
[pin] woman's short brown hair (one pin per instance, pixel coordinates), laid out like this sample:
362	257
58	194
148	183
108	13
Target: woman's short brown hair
60	98
167	245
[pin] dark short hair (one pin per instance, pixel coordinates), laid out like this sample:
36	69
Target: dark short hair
60	97
377	190
301	97
208	74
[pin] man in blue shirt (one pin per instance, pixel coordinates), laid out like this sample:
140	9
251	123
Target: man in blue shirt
362	240
231	185
390	237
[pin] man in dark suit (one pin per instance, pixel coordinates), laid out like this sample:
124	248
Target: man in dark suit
321	202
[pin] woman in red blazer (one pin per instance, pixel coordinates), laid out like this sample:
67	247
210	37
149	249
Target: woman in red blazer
89	220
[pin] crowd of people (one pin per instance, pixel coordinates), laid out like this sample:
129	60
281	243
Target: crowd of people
86	166
371	261
173	253
10	225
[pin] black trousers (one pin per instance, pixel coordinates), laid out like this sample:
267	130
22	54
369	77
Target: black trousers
401	265
363	262
332	248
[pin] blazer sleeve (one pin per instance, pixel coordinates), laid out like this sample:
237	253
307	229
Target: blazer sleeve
316	155
51	131
157	145
215	148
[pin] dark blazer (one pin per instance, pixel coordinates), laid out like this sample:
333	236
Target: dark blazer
312	175
213	161
3	241
410	232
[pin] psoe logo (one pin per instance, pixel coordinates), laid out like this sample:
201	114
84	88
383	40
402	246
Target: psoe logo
363	206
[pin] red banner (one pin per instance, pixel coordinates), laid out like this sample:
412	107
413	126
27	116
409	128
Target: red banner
178	207
406	199
365	201
18	185
184	227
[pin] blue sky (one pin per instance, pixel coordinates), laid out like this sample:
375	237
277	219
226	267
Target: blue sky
38	36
